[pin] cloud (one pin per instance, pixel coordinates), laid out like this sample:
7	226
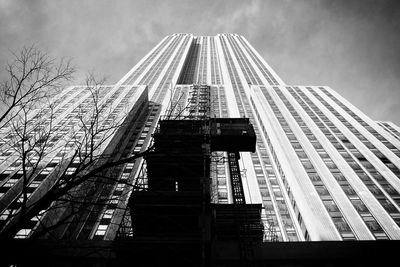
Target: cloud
351	46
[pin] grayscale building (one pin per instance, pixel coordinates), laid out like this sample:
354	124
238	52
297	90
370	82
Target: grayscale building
322	170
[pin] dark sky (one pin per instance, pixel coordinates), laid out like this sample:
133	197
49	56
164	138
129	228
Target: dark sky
351	46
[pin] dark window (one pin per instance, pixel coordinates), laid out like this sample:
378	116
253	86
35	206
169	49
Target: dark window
341	224
331	206
339	176
359	205
322	190
348	190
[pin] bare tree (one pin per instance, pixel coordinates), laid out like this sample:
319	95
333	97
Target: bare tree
62	166
31	77
58	164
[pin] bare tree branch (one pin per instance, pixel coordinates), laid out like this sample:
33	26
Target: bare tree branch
33	76
79	154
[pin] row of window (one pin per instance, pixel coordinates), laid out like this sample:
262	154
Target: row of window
270	205
152	74
149	59
337	217
165	83
134	145
51	165
346	187
363	123
216	77
247	69
264	70
346	153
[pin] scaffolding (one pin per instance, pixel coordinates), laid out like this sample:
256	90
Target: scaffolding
172	210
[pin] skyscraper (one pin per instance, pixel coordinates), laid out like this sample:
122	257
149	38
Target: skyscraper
322	169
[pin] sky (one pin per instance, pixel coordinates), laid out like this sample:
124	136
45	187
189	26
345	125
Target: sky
351	46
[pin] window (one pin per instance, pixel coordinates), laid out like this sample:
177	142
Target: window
345	155
301	155
323	155
314	176
390	190
359	205
222	194
375	190
348	190
23	233
341	224
388	206
331	206
377	176
339	177
372	224
322	190
307	164
363	176
5	214
222	181
316	145
108	213
69	171
101	230
331	165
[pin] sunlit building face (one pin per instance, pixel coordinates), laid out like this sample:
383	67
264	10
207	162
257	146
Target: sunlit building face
322	169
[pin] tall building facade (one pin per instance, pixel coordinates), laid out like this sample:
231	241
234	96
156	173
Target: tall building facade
322	169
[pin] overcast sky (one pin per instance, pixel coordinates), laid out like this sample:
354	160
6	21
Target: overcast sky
351	46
